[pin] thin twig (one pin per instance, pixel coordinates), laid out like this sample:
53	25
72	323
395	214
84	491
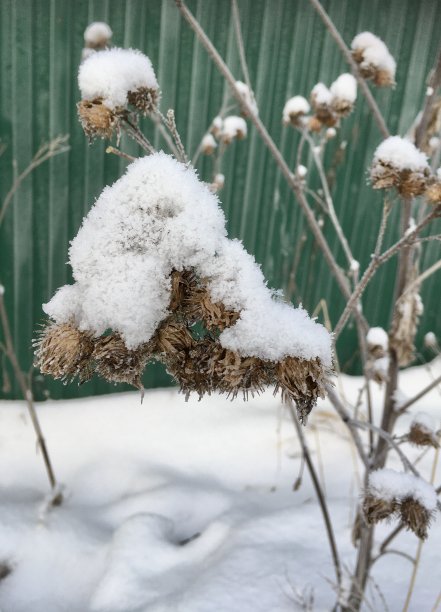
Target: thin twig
165	133
240	45
376	262
384	216
419	395
116	151
46	151
434	84
319	493
339	407
27	396
379	119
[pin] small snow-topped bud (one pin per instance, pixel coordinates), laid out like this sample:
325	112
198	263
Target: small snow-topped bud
216	126
398	163
423	431
374	59
294	109
208	144
301	171
97	35
377	341
434	142
119	77
354	266
390	492
321	102
320	95
331	133
233	127
219	182
344	94
248	97
430	341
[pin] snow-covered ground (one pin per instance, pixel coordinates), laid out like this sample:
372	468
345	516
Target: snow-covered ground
190	507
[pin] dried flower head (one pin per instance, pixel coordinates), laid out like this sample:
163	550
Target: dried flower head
63	352
423	431
398	163
294	110
415	516
96	119
233	128
374	59
321	102
433	192
377	509
97	35
344	94
208	144
144	99
118	364
408	310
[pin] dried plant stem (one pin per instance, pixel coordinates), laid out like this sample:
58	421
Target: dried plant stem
240	45
422	277
170	123
376	262
8	347
319	493
116	151
275	152
419	395
156	116
343	413
135	133
384	216
379	119
46	151
434	84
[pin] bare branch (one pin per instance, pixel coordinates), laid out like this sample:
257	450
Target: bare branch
419	395
116	151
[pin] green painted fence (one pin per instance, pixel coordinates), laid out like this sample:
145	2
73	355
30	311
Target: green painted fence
288	52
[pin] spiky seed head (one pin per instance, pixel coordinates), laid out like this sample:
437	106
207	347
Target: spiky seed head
377	509
97	119
144	99
116	363
415	516
422	436
63	352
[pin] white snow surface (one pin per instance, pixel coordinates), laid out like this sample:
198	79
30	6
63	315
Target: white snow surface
156	218
298	105
111	74
97	32
140	479
402	154
375	52
344	88
377	336
389	484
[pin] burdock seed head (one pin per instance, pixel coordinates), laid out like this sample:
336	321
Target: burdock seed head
415	516
144	99
376	508
63	352
97	119
116	363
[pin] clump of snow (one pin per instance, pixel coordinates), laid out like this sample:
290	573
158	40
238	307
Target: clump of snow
321	95
301	171
354	266
374	51
331	133
391	485
298	105
344	88
430	341
401	154
248	97
113	73
219	180
208	144
156	218
377	336
233	127
97	33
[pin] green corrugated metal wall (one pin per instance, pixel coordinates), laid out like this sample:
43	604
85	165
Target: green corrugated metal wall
288	52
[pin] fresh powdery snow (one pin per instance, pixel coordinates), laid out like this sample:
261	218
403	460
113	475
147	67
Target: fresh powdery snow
321	95
113	73
298	105
156	218
401	154
344	88
233	127
97	32
377	336
174	506
375	52
389	484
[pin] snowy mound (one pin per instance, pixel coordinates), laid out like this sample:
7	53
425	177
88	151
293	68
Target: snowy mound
158	218
344	88
113	73
401	154
374	51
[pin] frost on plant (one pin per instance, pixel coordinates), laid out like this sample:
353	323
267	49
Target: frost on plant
111	82
151	259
